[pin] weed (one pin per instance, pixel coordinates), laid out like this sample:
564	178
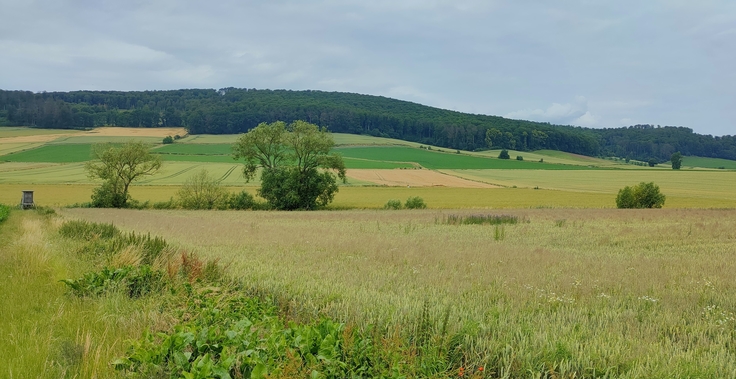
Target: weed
481	219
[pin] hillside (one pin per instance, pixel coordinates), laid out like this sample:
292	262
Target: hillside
231	110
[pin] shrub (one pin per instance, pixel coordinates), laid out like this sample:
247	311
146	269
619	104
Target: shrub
653	162
519	158
109	196
170	204
202	191
481	219
642	195
393	204
4	212
168	140
415	202
242	200
504	154
88	230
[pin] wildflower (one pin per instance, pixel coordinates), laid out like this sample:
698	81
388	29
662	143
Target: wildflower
480	368
461	372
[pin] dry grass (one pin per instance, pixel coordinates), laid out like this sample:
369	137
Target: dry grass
641	293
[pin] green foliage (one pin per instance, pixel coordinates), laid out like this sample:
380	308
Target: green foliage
134	281
4	212
109	195
168	140
504	154
296	161
119	166
653	162
676	160
519	158
393	204
481	219
642	195
84	230
289	188
415	202
243	200
201	191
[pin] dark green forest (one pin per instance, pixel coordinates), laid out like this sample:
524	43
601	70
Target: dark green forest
232	110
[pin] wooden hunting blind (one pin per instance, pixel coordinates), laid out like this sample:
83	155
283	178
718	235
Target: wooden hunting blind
27	200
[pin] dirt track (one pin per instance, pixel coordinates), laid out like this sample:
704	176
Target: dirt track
414	178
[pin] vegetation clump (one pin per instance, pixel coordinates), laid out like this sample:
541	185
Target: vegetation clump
299	171
504	154
119	166
642	195
202	191
415	202
4	212
393	204
481	219
168	140
676	160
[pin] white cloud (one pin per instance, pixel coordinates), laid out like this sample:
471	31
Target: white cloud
572	113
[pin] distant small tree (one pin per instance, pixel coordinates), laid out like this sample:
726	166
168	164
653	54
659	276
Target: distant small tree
519	158
504	154
201	191
676	160
119	166
168	140
653	162
642	195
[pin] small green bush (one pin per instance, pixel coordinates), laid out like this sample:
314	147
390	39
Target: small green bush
481	219
170	204
108	196
415	202
4	212
642	195
201	191
393	204
134	281
168	140
504	154
84	230
519	158
242	201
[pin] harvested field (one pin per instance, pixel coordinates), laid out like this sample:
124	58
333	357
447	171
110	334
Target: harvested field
414	178
136	132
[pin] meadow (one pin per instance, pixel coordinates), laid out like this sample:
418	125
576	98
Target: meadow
562	293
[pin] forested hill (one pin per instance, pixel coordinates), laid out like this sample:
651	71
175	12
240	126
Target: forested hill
232	110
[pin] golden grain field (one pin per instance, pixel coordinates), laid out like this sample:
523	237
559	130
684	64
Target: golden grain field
635	293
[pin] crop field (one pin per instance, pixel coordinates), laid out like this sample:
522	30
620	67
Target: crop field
53	154
565	293
20	131
698	184
444	160
709	163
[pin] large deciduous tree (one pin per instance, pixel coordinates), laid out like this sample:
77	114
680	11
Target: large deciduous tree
299	171
119	166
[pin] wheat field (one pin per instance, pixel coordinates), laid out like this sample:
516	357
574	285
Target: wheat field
584	293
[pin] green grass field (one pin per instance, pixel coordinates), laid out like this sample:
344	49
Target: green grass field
62	153
708	163
445	160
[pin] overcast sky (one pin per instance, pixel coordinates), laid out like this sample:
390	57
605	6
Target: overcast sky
580	62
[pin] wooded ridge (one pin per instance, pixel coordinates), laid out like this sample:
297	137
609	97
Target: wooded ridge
234	110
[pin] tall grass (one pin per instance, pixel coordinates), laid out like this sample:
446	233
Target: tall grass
606	293
45	332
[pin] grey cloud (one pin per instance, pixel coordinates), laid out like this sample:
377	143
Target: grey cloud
663	62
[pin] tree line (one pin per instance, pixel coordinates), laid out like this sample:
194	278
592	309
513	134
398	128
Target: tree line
234	110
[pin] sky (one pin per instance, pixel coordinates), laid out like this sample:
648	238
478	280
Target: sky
579	62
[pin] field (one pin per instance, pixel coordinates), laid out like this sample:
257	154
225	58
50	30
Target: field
577	293
572	288
708	163
562	180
